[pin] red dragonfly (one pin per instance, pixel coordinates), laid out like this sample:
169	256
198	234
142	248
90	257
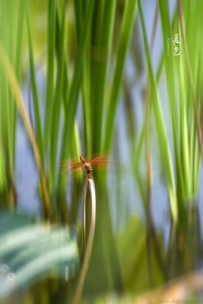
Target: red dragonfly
100	160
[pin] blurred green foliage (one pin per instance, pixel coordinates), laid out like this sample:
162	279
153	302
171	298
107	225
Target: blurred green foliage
84	46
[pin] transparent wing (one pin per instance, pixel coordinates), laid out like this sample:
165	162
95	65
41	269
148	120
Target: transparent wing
73	168
99	158
73	164
100	162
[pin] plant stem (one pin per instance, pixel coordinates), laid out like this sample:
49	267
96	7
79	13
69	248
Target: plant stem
89	184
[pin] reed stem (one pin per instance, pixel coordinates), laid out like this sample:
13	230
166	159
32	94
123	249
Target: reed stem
89	184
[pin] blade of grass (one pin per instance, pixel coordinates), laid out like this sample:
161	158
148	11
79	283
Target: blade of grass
4	89
18	98
35	92
89	184
5	118
126	30
186	167
86	97
97	55
169	68
57	104
178	130
191	63
50	70
74	90
20	23
86	83
161	61
161	132
103	45
3	180
194	102
8	40
141	182
10	35
76	194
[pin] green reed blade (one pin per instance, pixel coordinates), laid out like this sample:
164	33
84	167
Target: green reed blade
50	70
37	116
105	31
57	103
18	43
9	72
160	126
74	89
126	29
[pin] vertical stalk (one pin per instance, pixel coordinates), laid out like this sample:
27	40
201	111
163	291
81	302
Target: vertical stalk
89	185
194	102
50	70
58	95
18	98
126	29
35	92
71	106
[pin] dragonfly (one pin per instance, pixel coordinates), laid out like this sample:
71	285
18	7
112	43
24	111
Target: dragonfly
83	163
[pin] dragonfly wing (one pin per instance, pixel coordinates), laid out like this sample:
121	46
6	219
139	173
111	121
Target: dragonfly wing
71	164
73	168
100	162
99	158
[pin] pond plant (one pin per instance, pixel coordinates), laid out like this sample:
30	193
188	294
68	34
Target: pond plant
87	45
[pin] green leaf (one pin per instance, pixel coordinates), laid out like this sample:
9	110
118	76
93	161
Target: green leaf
50	70
126	29
160	126
35	92
58	95
71	107
132	253
31	252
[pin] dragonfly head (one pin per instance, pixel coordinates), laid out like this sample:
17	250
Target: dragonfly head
89	171
88	168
